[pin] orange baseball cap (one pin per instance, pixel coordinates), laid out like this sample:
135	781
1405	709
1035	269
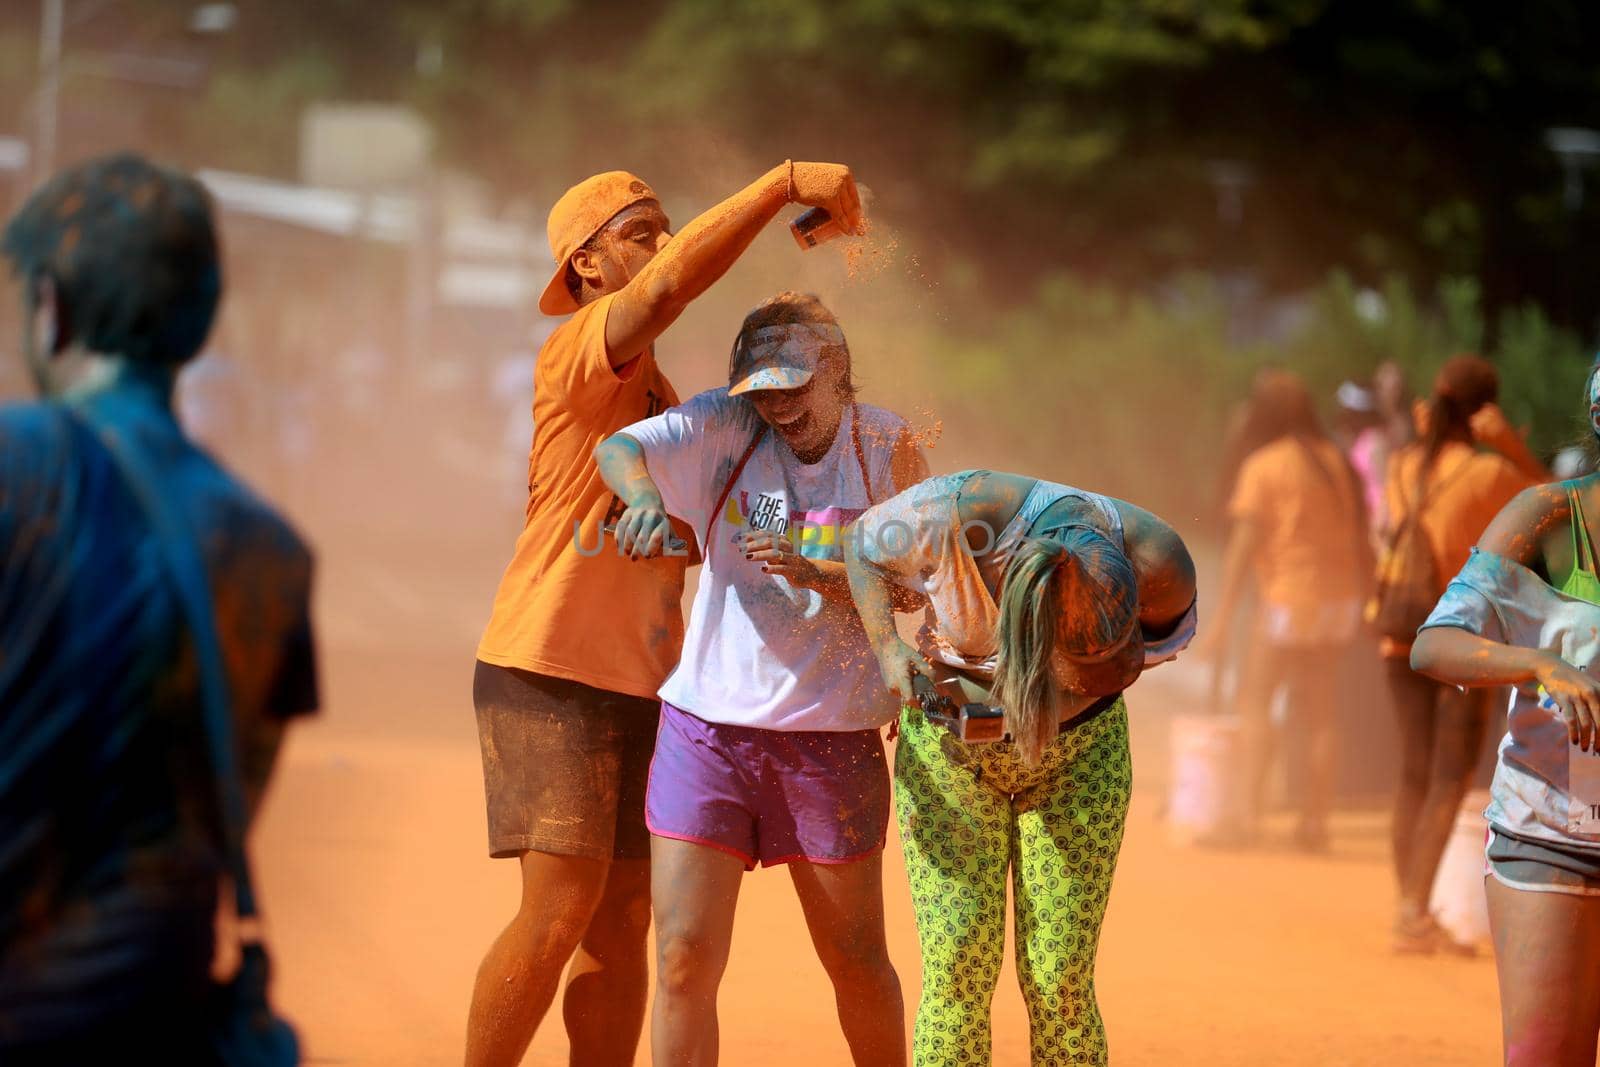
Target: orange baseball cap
578	216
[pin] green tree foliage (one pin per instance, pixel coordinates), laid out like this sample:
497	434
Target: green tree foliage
1059	165
1403	137
1131	394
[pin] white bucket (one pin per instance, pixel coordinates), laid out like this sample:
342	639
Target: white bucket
1200	795
1458	898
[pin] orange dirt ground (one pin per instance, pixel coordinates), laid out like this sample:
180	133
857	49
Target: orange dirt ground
381	900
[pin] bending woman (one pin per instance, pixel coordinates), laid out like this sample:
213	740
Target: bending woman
1056	599
768	749
1524	611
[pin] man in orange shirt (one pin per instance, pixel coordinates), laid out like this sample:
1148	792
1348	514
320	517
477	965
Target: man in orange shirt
581	636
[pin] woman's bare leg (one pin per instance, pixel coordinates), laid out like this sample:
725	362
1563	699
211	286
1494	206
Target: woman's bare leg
843	905
694	888
1547	956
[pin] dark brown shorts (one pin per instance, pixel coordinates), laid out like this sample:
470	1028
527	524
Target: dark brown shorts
564	765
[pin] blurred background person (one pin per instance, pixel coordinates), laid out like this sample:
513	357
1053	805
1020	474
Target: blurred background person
1297	524
1356	412
1358	429
1376	420
1396	428
1243	432
1442	489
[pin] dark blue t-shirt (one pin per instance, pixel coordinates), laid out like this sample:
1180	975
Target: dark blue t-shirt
110	846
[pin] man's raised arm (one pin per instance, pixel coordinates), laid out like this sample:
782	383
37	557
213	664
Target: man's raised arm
703	250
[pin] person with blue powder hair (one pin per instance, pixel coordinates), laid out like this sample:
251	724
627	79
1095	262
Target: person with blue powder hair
1047	601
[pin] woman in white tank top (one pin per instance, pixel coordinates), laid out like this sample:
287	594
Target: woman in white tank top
1055	599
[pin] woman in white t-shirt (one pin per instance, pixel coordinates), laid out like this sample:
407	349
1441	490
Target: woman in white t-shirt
768	749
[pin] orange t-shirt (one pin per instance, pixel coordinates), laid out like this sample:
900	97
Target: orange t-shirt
1309	555
569	606
1467	489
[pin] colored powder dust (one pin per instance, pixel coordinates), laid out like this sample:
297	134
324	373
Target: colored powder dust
914	269
926	434
923	436
869	255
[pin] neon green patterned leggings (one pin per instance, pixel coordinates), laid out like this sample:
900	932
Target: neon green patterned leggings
968	815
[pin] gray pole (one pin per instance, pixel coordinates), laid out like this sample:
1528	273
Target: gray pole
44	160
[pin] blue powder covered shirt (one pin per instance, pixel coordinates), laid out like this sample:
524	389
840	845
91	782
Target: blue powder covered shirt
110	848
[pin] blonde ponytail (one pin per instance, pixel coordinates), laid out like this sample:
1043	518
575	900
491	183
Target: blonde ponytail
1030	612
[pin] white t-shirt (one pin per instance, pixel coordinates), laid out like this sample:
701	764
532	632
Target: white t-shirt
759	651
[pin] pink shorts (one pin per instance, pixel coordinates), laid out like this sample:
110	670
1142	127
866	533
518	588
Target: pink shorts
773	796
